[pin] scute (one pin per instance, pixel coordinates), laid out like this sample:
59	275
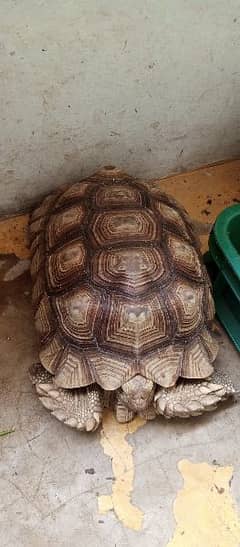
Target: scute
37	260
73	370
78	312
44	318
111	371
119	286
74	193
35	242
196	362
210	344
62	223
171	215
133	270
210	307
186	302
136	327
44	207
66	265
114	227
184	257
51	352
120	195
36	227
38	289
164	365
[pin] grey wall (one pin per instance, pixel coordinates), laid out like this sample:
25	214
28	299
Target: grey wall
150	85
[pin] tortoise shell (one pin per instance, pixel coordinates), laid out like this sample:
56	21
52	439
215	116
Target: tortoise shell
119	286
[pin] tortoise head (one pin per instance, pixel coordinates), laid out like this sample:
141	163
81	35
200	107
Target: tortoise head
137	394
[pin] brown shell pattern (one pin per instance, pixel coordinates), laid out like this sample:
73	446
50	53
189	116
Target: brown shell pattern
119	286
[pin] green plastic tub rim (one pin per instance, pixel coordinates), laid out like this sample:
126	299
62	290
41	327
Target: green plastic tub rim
227	233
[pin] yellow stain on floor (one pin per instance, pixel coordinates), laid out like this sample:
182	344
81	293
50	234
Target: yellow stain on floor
13	236
204	509
205	192
116	446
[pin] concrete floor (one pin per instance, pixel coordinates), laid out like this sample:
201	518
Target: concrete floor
52	477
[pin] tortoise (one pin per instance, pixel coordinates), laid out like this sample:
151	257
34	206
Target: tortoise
123	305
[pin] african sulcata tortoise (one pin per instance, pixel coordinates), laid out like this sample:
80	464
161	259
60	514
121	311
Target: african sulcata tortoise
123	305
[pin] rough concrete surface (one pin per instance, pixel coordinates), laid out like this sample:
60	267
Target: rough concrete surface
150	86
51	476
54	481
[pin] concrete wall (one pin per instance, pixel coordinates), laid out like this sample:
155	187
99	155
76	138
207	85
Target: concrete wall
152	86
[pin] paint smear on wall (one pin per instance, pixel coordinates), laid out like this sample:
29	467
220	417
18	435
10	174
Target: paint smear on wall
115	445
204	509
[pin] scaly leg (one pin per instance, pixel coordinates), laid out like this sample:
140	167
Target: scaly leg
193	398
80	408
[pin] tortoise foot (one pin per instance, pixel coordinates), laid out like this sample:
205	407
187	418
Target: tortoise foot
192	398
79	408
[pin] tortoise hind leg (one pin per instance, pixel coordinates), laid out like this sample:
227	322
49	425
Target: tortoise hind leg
80	408
192	398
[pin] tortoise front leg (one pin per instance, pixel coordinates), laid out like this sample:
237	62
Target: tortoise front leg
192	398
80	408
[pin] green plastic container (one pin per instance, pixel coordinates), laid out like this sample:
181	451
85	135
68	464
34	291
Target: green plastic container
223	263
